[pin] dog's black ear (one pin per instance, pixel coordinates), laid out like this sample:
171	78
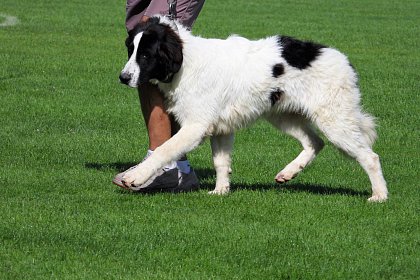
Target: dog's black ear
170	51
160	53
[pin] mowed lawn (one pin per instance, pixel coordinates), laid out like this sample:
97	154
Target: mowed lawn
67	127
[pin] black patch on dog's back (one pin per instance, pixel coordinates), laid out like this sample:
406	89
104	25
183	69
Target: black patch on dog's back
298	53
277	70
275	96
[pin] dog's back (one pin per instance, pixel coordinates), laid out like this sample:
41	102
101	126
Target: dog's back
239	80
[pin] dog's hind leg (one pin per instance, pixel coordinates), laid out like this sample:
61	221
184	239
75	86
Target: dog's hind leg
221	146
350	133
298	127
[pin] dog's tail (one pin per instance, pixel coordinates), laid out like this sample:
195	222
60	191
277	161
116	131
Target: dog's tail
367	125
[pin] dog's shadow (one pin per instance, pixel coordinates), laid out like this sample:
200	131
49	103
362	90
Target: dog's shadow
207	174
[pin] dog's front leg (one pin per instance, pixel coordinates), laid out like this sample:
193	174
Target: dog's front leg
221	146
185	140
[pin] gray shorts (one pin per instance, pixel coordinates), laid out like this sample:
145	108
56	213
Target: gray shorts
187	10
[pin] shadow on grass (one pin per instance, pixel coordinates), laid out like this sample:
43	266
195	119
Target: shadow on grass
206	174
301	187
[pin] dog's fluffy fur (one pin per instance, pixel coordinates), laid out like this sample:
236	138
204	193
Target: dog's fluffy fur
214	87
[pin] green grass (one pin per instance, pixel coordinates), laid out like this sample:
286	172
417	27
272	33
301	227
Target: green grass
68	126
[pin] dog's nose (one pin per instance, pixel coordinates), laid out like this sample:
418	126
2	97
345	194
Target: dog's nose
125	78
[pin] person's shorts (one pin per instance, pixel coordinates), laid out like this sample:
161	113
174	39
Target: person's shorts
187	11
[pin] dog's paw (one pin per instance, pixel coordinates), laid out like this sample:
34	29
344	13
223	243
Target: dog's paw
288	173
378	198
220	191
284	177
133	179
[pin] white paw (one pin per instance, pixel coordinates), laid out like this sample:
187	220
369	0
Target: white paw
288	173
283	176
133	179
378	198
220	191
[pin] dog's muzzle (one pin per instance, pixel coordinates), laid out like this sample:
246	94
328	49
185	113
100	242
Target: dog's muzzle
125	78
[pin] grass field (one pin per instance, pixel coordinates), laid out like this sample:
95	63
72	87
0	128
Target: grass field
68	126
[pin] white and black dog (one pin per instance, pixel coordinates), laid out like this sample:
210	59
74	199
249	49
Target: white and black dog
214	87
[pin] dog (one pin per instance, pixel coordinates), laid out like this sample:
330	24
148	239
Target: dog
214	87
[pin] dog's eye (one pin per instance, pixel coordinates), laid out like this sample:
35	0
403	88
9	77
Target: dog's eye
144	56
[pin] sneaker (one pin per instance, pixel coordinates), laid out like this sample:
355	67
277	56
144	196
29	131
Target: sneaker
163	179
187	182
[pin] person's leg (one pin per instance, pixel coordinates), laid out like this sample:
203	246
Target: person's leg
135	10
186	10
160	126
158	121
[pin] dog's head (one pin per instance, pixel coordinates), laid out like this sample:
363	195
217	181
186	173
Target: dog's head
154	53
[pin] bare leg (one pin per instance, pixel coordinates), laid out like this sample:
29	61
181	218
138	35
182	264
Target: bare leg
158	121
160	125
